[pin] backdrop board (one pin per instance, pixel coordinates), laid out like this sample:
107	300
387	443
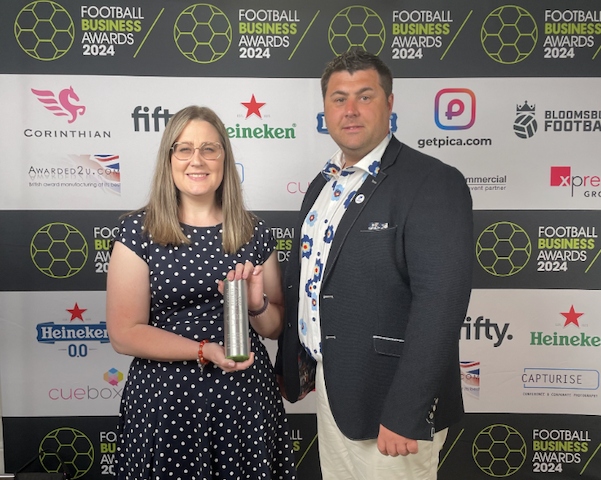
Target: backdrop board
505	91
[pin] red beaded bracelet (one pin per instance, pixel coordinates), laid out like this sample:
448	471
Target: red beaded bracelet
202	361
256	313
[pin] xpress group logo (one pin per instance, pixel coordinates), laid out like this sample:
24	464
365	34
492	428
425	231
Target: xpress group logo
587	185
455	109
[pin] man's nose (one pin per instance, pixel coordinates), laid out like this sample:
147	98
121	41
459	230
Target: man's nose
350	108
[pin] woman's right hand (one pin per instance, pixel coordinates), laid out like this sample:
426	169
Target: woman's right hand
215	353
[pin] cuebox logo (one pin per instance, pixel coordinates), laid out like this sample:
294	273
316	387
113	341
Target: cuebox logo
455	109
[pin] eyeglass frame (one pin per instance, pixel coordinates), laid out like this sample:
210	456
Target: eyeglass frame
202	145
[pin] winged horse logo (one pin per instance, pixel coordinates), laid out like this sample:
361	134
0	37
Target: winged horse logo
63	106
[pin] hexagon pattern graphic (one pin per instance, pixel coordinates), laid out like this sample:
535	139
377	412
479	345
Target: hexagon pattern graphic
44	30
202	33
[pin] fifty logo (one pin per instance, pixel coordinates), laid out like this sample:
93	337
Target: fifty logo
455	109
61	105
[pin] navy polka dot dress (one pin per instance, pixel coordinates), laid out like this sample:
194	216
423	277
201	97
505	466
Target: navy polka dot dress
176	421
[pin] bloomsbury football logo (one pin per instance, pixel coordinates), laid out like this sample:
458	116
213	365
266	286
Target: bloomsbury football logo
566	333
525	125
588	186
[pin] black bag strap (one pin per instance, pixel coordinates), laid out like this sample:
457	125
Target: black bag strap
62	465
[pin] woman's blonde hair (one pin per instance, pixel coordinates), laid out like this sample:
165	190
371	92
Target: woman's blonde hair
162	221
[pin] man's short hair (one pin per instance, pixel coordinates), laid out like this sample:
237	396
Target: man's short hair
355	60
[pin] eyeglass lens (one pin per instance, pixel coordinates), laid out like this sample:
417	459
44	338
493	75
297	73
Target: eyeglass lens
208	151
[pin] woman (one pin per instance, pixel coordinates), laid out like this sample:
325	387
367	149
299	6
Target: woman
187	411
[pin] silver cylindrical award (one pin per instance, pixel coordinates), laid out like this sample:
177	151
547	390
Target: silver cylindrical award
236	334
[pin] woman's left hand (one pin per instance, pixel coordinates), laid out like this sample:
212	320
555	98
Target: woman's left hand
253	274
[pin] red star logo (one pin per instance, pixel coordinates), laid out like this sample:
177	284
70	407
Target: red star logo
253	107
76	312
571	317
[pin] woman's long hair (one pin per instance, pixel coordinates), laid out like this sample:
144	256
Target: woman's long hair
162	221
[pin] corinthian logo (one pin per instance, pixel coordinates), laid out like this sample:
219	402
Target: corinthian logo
61	105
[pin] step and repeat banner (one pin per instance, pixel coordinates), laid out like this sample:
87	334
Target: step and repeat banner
506	92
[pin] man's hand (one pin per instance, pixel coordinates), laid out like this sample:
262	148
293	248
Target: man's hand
393	444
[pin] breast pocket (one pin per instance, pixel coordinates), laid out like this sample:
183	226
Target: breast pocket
388	345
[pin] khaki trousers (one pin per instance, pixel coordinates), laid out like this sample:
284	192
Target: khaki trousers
344	459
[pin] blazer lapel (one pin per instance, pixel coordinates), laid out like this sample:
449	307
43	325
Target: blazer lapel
359	202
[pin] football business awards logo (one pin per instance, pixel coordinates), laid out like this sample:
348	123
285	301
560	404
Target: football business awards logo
356	26
202	33
509	34
455	109
44	30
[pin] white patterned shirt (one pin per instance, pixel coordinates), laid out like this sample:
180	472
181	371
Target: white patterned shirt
317	233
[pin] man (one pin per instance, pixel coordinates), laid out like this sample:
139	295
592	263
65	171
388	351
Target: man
377	288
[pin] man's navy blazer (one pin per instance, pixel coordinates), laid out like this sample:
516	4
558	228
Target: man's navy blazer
394	295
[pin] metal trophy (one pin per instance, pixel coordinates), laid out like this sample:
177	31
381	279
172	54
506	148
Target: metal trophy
236	334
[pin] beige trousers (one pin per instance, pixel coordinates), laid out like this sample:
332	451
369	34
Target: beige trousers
344	459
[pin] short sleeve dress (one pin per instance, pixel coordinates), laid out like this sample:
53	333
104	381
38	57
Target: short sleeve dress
177	421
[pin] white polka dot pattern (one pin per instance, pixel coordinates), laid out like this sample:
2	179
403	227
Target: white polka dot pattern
177	422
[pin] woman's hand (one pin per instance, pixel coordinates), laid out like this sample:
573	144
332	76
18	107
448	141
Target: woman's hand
253	274
215	353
